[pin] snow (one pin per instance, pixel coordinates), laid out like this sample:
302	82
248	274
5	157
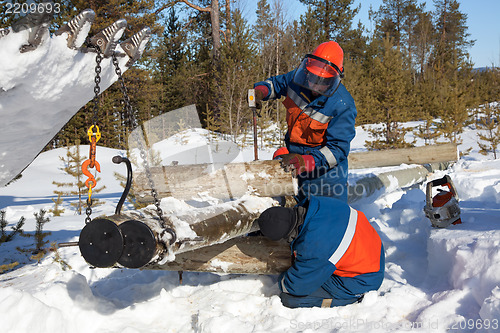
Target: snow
224	265
436	279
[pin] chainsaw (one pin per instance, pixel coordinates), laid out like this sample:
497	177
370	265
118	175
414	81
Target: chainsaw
442	209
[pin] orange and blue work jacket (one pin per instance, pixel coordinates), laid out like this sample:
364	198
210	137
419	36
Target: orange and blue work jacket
337	249
319	126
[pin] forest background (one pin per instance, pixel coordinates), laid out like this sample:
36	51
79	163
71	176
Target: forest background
413	65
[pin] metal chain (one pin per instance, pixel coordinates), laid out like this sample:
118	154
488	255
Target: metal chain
128	106
95	113
97	89
88	211
143	154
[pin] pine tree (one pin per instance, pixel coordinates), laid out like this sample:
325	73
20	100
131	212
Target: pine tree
199	73
421	41
398	19
57	210
271	30
206	23
236	77
334	16
390	85
405	22
40	235
17	229
360	80
280	48
358	84
452	87
428	131
487	82
263	40
172	65
308	33
452	38
488	122
212	9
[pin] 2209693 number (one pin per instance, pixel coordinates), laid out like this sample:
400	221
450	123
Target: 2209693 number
476	324
30	8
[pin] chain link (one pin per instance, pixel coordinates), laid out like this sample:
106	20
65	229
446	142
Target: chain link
97	89
133	121
88	211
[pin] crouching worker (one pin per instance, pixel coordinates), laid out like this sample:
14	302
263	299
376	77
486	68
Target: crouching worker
338	255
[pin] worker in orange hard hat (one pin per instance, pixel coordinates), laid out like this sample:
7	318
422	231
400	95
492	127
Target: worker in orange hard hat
318	71
320	115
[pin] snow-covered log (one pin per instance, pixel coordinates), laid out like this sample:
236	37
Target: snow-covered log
242	255
417	155
233	180
392	180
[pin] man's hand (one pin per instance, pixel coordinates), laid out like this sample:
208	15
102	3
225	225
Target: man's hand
298	164
260	93
279	152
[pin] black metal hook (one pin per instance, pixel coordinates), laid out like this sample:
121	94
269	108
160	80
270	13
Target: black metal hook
117	160
173	235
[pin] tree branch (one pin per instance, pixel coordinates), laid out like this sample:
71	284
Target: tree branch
225	35
174	2
206	9
167	5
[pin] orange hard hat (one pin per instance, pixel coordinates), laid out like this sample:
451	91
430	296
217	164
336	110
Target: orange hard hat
332	52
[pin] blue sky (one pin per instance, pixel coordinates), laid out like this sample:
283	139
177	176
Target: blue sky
483	21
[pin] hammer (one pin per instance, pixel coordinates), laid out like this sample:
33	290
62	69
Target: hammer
253	106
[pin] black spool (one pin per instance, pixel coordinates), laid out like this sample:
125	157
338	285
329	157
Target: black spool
101	243
139	244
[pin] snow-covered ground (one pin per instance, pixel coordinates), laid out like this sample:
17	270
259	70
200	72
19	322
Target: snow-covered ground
435	280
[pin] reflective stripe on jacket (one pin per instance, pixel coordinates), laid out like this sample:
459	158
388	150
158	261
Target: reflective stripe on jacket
306	125
323	127
335	239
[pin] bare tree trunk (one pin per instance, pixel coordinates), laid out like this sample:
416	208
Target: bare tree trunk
214	17
232	81
228	20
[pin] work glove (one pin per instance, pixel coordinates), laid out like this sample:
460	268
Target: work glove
260	93
298	164
280	151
